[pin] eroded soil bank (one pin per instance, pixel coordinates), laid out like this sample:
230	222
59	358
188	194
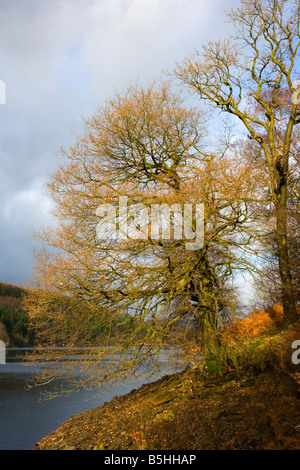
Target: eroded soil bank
191	412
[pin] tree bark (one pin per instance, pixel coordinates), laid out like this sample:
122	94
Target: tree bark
288	299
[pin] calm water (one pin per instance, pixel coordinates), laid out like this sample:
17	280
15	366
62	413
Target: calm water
25	418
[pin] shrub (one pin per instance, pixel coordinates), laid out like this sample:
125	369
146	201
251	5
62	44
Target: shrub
253	344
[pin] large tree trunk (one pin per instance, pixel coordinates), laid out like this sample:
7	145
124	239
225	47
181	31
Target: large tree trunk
288	299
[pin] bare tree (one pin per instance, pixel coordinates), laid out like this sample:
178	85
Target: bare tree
257	65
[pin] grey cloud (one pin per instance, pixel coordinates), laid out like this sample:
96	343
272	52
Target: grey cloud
60	59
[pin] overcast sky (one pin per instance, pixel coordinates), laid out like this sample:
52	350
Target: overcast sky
59	60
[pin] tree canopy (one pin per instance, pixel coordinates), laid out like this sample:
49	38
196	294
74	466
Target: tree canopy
157	215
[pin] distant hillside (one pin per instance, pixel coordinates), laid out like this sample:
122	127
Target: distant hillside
14	324
10	290
16	330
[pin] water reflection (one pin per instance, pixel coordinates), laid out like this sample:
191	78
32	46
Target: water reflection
25	419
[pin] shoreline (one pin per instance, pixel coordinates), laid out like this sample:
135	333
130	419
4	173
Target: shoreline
189	411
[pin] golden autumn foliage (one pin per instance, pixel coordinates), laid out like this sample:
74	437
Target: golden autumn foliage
257	322
145	146
255	343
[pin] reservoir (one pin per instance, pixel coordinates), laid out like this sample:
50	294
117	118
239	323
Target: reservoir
25	418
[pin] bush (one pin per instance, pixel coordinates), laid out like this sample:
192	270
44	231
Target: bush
253	344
